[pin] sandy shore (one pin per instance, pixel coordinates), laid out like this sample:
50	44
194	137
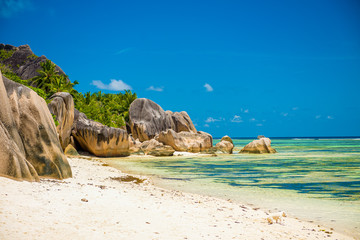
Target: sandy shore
93	205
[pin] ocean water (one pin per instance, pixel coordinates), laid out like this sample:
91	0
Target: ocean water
312	179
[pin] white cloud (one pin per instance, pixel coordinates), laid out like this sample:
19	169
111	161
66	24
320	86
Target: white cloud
295	108
210	119
259	125
252	120
156	89
206	125
208	87
285	114
246	110
236	119
114	85
330	117
318	116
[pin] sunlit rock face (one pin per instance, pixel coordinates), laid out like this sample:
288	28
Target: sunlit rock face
182	122
155	148
186	141
62	106
134	145
70	151
226	145
262	145
29	143
98	139
147	119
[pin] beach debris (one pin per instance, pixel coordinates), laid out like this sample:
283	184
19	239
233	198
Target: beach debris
276	218
128	178
84	200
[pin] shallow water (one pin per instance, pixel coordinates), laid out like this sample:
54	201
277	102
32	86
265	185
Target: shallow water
311	179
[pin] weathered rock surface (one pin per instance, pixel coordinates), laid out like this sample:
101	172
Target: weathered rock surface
182	122
23	61
29	144
147	119
186	141
155	148
225	145
262	145
71	151
62	106
134	145
98	139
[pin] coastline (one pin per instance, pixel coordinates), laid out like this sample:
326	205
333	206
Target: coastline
92	205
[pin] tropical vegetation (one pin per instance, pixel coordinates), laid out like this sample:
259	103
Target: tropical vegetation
109	109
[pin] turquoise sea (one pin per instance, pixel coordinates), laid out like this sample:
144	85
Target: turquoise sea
312	179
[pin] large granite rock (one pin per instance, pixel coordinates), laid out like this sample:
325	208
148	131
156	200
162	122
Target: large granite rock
147	119
155	148
29	144
98	139
182	122
262	145
62	106
24	62
134	145
225	145
186	141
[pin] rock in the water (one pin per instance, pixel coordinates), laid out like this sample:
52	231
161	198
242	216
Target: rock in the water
262	145
62	106
155	148
186	141
226	145
70	151
147	119
98	139
29	143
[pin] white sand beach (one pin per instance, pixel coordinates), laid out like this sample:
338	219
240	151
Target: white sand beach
92	205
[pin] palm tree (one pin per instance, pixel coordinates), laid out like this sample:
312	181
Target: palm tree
47	74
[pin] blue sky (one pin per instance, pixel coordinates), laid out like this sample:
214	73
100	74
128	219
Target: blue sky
242	68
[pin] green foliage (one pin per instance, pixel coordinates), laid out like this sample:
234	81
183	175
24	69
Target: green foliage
109	109
5	54
4	68
55	119
12	76
32	57
41	93
47	76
